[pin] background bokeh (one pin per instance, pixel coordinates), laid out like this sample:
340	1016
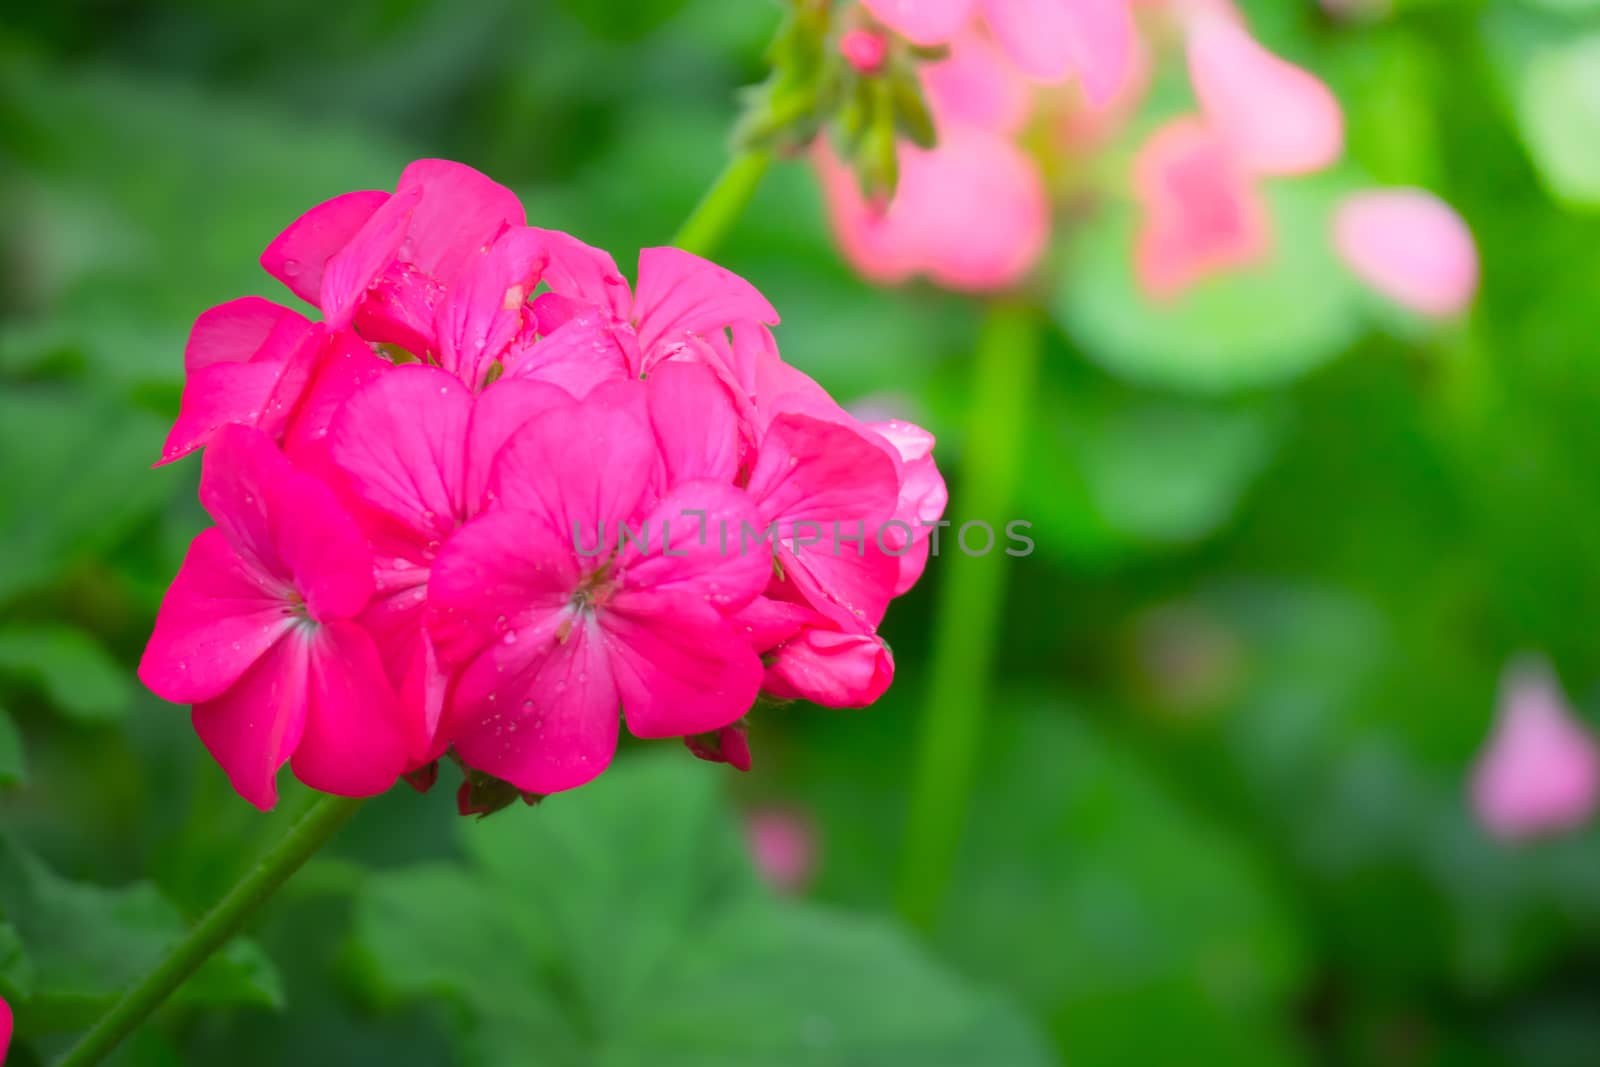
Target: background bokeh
1221	815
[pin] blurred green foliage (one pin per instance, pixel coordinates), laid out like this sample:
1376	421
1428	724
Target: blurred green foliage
1286	542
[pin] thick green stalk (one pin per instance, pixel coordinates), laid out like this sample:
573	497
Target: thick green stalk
218	927
968	615
723	203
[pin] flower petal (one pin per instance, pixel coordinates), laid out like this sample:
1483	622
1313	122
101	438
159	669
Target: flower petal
829	490
680	293
504	572
583	468
402	443
1277	118
298	256
356	739
355	267
220	615
679	667
237	330
545	720
497	413
1203	215
694	421
1410	246
1052	39
286	522
587	350
922	22
830	668
251	729
701	540
460	212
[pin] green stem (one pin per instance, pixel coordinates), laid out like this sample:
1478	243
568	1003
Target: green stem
967	617
723	203
218	927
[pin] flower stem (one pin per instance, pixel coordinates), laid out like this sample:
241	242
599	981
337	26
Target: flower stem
723	203
967	617
219	926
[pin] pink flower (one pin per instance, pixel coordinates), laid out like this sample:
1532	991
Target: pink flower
550	638
431	561
1411	247
783	844
5	1029
1048	40
971	214
415	449
825	664
1540	771
1202	212
258	632
1274	117
385	259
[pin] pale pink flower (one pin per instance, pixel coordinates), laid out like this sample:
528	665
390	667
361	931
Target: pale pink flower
1410	246
1276	118
1048	40
971	213
258	631
1202	213
1540	770
783	844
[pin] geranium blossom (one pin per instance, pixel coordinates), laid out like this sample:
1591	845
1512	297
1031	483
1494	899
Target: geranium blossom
497	500
974	213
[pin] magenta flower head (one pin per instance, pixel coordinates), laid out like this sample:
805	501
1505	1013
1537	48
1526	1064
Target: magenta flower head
497	502
1540	771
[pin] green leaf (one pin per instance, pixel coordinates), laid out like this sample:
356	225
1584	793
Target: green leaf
78	676
75	467
16	970
1260	326
1152	911
1558	105
13	763
622	925
86	944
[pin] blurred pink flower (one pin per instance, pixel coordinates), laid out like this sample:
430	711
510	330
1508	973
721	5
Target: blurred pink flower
783	844
971	214
1047	40
1540	770
1275	118
1202	213
1410	246
5	1029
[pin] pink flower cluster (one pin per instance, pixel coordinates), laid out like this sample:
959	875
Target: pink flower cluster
974	212
409	495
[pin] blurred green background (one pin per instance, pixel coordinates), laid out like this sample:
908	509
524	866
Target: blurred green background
1283	555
